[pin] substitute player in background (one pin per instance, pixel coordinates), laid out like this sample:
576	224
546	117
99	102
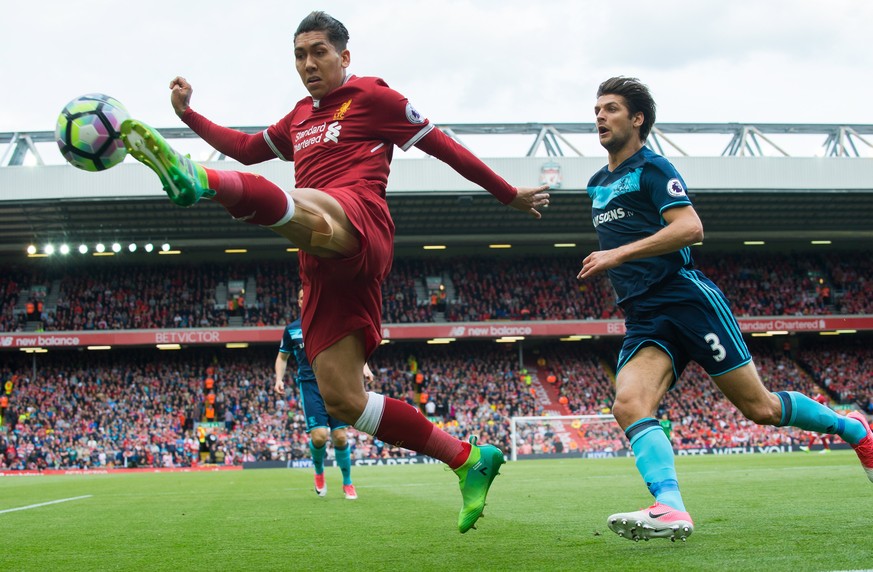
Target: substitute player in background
673	313
341	140
319	424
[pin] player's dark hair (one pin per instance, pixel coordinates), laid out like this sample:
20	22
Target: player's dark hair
637	96
319	21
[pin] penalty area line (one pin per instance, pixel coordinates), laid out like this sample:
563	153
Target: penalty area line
30	506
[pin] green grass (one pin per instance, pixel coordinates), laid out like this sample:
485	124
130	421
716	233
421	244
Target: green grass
792	512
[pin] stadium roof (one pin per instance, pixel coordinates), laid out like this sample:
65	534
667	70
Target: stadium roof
783	200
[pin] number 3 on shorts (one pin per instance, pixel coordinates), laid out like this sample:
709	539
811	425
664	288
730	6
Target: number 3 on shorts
716	346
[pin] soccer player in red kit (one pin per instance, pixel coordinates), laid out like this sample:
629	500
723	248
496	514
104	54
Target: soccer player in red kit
341	140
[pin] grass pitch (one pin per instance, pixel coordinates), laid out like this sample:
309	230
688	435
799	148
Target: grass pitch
792	512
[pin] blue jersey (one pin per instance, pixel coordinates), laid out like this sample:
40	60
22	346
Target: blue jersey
628	204
292	342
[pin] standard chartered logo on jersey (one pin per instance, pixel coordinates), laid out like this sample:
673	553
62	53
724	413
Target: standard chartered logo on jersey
316	134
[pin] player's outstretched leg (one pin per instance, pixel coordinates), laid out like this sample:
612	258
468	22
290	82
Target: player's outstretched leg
184	181
476	476
864	448
401	424
657	521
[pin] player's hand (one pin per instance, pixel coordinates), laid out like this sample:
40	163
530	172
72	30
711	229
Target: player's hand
279	387
598	262
529	199
180	95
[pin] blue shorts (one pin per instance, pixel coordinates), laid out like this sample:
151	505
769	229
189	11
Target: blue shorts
314	409
690	319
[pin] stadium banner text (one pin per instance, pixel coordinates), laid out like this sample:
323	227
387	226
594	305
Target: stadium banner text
107	471
306	463
405	332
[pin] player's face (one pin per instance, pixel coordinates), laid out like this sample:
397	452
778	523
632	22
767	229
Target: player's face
615	126
300	298
321	68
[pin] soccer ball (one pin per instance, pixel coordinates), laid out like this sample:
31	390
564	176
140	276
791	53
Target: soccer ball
88	132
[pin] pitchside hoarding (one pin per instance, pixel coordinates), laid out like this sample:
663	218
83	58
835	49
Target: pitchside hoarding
405	332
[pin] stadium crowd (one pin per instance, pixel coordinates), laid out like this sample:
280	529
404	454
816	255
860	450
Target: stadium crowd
843	369
133	408
130	409
131	296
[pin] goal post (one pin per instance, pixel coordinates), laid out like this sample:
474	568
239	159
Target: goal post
570	433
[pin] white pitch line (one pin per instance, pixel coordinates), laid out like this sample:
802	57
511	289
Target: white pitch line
44	504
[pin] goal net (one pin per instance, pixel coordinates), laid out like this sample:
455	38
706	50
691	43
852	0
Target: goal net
565	435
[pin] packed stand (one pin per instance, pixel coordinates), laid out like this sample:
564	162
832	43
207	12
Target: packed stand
700	414
773	284
703	418
174	295
527	288
138	408
842	365
472	388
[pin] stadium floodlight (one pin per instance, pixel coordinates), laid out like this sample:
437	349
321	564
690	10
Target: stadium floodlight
116	247
100	247
49	249
149	247
132	247
165	247
31	249
83	249
65	249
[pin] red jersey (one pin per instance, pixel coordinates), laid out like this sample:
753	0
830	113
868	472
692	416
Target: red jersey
343	145
349	136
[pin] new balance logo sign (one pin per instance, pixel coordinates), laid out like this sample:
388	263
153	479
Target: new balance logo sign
333	132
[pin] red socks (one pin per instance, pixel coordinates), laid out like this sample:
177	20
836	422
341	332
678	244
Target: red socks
404	426
248	197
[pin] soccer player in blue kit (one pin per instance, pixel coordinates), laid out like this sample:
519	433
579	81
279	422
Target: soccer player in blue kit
317	419
673	313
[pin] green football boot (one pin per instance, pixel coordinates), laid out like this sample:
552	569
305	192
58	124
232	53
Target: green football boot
476	475
184	180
